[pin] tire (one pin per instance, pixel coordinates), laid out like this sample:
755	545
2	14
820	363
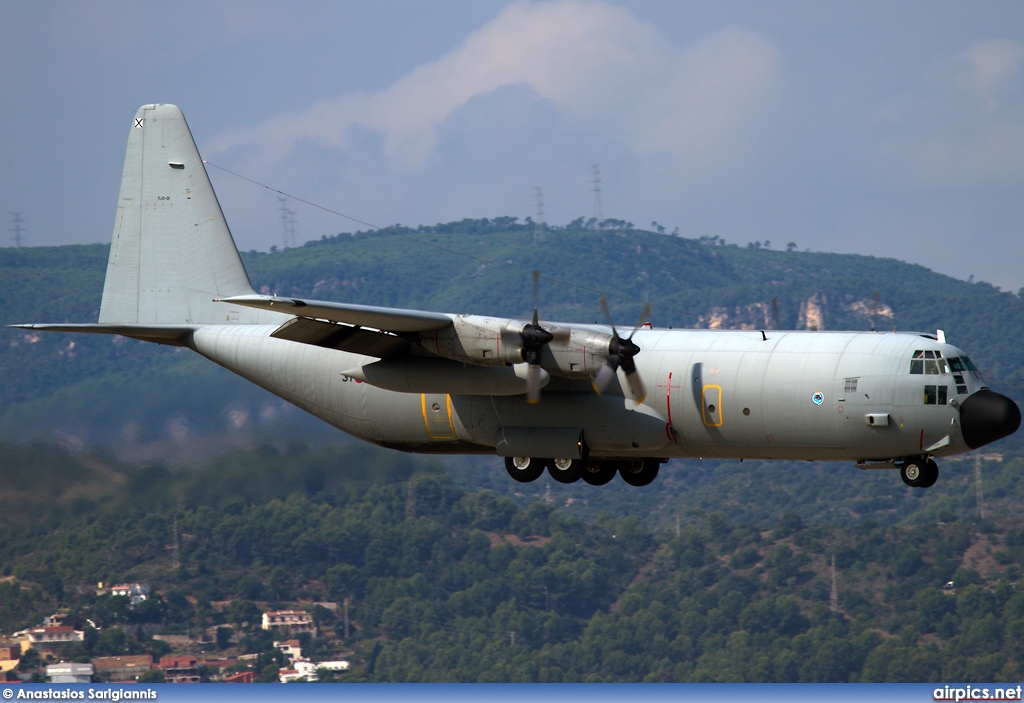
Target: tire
523	468
640	473
913	472
566	470
931	474
598	473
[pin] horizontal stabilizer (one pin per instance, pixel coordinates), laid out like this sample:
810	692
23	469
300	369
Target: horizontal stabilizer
174	335
388	319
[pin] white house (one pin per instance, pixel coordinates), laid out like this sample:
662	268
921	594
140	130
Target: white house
295	620
135	592
303	671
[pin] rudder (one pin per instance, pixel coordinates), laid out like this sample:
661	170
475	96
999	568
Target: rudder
172	253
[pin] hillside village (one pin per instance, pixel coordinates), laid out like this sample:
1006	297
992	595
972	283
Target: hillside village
42	653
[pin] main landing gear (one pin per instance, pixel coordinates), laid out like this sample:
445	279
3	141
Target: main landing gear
635	472
919	472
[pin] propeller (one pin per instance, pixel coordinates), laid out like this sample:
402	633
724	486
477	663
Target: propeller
534	337
620	354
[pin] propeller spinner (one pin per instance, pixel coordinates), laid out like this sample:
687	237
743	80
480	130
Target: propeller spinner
620	354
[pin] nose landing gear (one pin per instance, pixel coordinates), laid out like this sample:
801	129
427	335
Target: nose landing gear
919	472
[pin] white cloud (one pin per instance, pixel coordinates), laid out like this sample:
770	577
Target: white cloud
987	66
596	63
962	129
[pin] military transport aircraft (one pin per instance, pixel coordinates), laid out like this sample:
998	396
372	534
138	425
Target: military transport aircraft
469	384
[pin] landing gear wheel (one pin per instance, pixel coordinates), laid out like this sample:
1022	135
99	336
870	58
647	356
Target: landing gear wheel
640	473
931	474
598	473
523	468
913	472
566	470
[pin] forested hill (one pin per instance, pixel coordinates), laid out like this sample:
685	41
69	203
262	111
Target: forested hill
717	571
106	389
443	584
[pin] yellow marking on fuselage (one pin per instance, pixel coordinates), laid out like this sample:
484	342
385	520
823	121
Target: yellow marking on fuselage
437	419
704	405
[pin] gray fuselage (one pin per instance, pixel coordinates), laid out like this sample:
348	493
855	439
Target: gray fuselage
730	394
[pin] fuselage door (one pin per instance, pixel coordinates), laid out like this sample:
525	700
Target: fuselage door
437	415
711	405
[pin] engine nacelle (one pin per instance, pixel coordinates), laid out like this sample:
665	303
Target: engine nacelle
577	351
478	340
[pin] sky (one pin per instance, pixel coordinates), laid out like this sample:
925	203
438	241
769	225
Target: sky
891	129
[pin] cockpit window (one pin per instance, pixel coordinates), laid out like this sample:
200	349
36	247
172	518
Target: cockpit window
926	361
917	363
960	364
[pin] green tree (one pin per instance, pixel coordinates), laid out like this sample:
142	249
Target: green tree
152	676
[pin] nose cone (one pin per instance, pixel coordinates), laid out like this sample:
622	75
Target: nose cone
987	416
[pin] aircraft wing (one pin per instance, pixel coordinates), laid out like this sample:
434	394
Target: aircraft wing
386	319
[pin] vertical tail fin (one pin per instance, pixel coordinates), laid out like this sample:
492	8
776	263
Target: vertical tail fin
172	252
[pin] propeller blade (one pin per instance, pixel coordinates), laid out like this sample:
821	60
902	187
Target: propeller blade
643	318
620	353
532	384
636	385
608	315
633	380
605	375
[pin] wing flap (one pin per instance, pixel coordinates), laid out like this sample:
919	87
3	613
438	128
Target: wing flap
343	337
387	319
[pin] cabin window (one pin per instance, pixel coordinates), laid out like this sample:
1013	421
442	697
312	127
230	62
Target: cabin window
851	385
961	387
928	362
936	395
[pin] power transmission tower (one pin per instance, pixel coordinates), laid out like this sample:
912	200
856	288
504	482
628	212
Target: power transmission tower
17	229
177	545
835	590
347	599
287	222
977	488
597	212
538	223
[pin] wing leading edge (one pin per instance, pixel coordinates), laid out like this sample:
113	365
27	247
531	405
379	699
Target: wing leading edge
395	320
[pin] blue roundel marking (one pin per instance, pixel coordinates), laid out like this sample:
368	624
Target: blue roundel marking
818	398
